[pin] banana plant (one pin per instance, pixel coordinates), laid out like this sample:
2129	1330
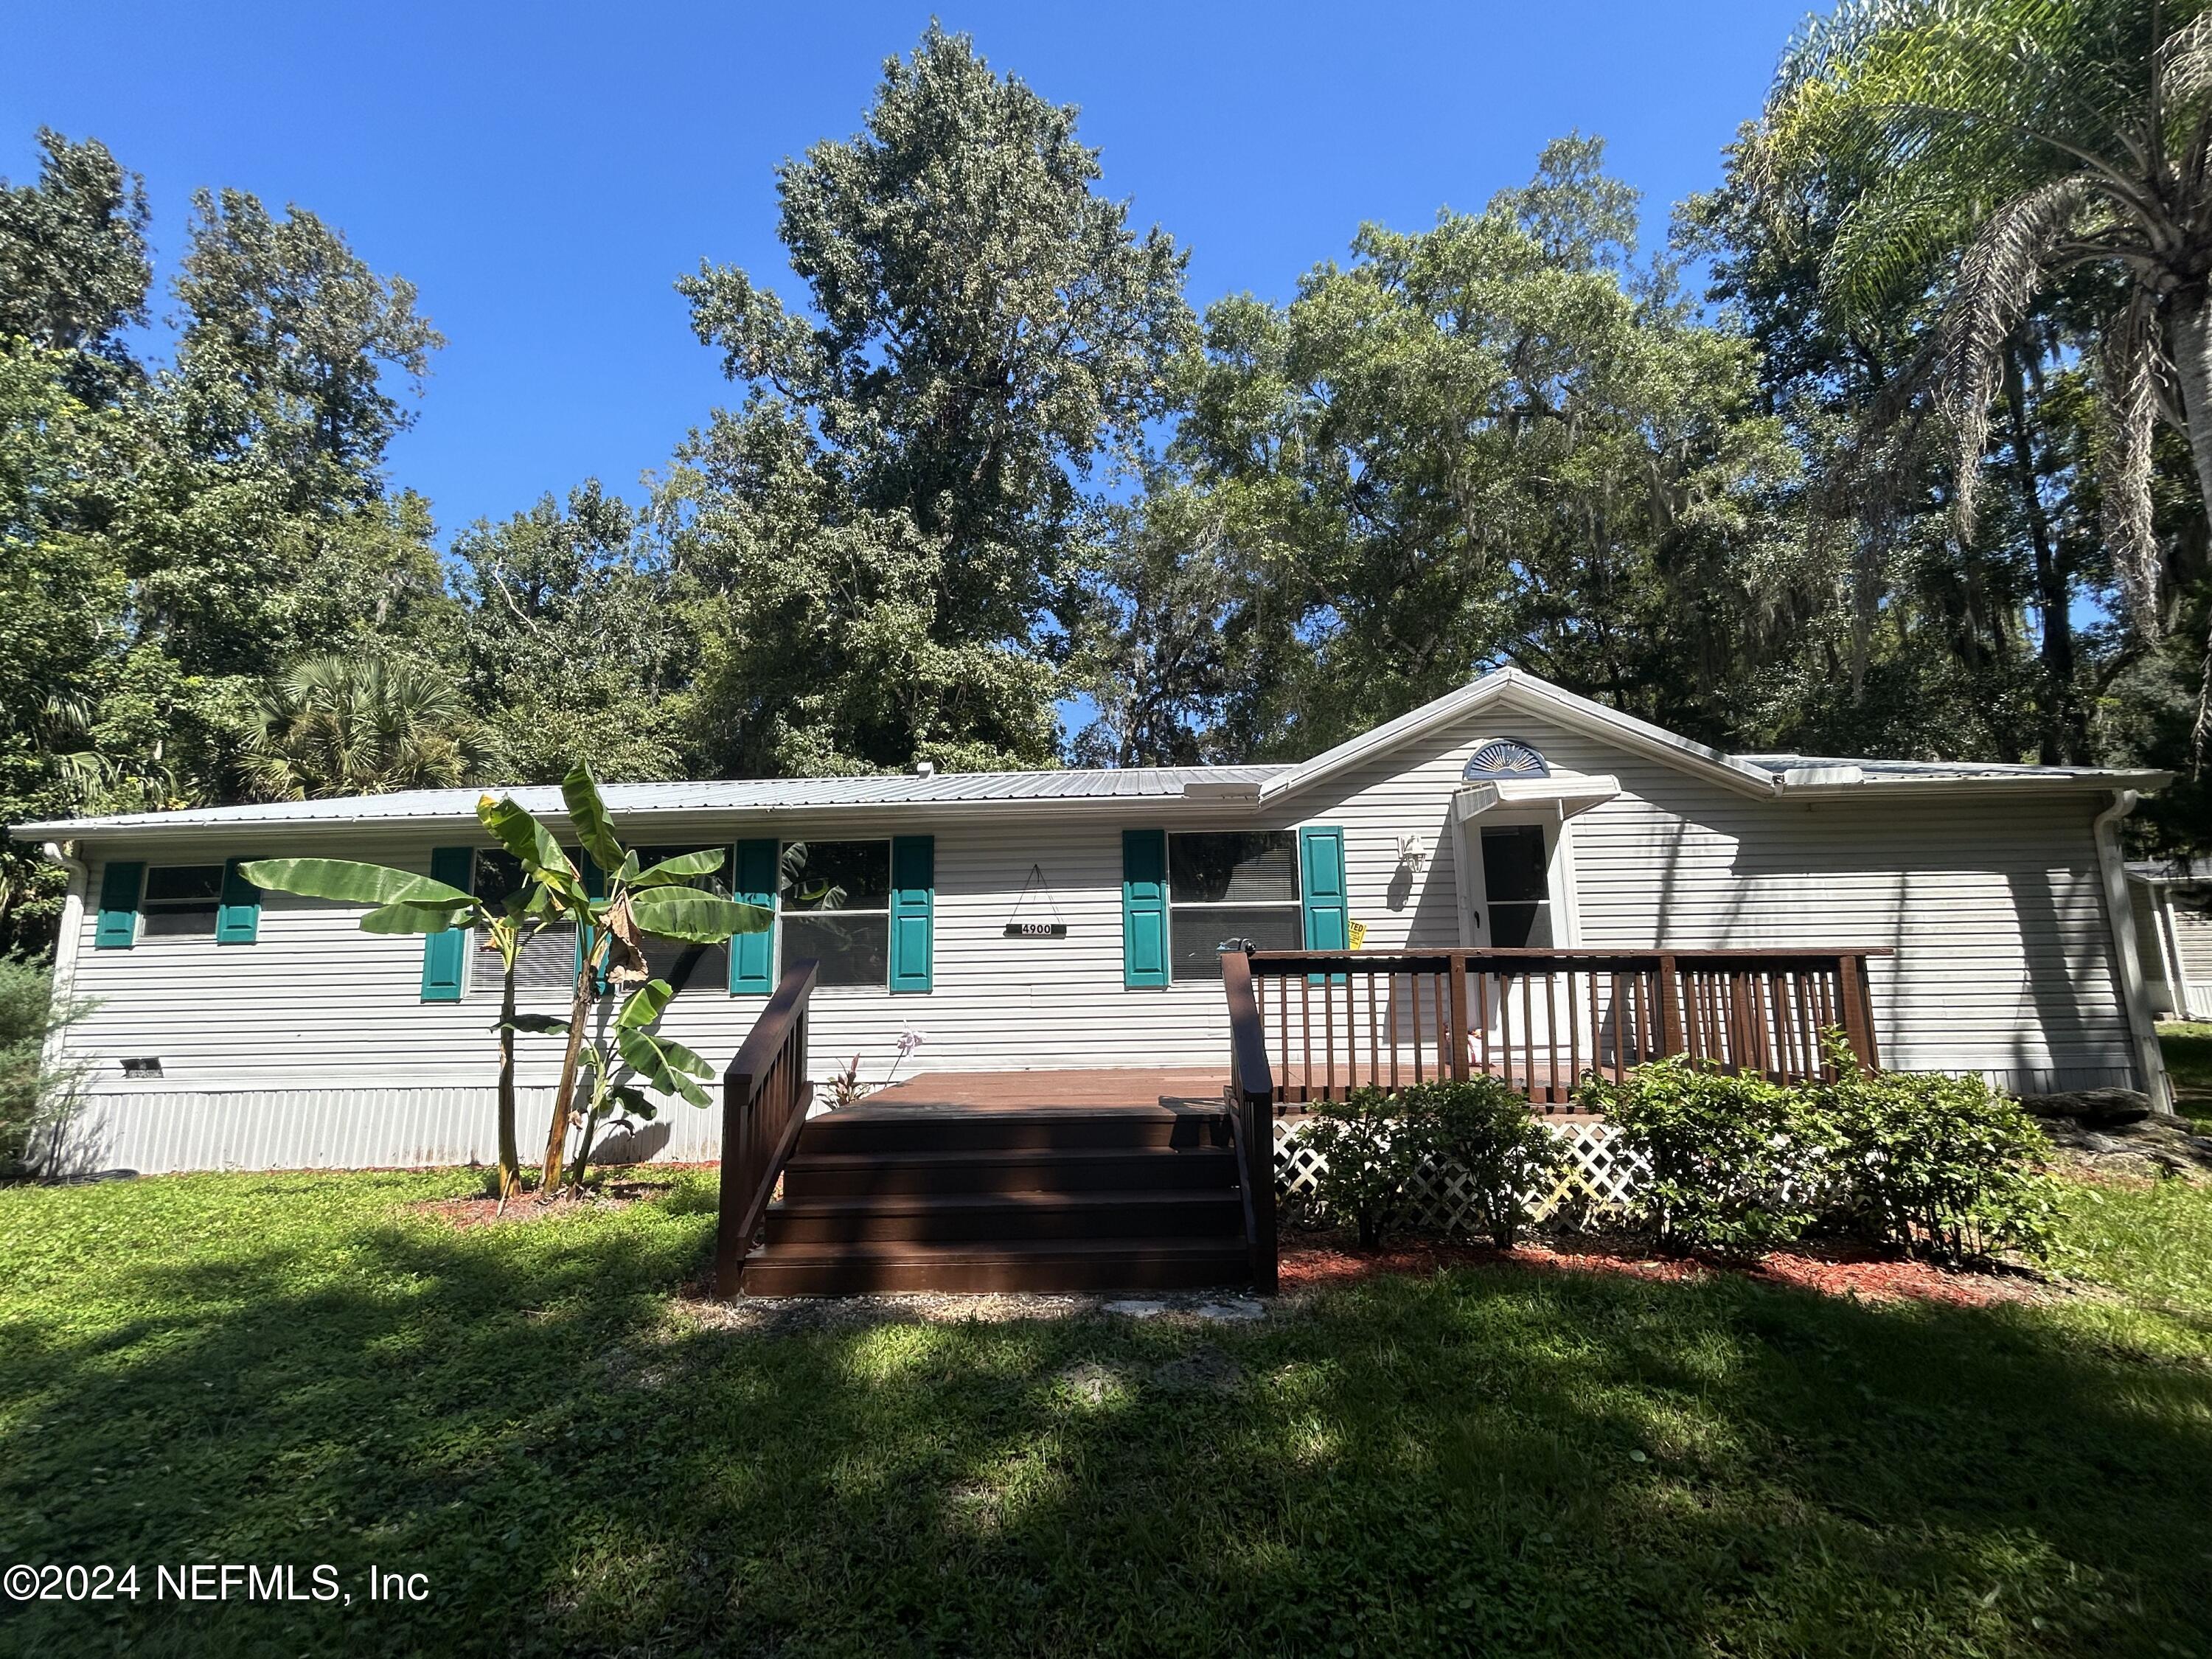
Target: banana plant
635	902
661	1063
406	903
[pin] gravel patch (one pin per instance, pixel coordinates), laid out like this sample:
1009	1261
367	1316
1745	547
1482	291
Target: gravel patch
779	1316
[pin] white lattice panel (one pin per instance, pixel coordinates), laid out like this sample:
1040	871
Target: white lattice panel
1595	1178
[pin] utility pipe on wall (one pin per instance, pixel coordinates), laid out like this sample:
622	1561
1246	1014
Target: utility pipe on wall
2150	1058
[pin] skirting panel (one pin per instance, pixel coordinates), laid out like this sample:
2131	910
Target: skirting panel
1593	1179
157	1132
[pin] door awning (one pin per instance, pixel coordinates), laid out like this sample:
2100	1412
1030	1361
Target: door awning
1562	794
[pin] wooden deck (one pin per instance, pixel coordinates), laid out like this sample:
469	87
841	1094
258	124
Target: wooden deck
1131	1085
1117	1086
983	1182
1157	1176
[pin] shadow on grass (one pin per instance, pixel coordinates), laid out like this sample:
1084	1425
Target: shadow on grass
1488	1460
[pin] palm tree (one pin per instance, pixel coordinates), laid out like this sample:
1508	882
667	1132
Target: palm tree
2028	140
354	725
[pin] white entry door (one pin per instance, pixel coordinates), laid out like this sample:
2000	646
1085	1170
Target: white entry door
1512	896
1516	895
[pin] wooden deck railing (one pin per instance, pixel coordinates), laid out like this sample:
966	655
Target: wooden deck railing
1252	1119
1331	1021
765	1094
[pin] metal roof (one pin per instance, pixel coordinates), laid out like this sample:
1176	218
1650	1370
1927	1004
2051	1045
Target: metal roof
1783	764
1764	776
745	794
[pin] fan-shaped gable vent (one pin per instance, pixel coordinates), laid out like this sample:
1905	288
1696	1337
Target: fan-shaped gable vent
1505	758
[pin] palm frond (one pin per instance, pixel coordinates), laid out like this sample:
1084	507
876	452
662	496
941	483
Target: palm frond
1889	239
1998	280
342	725
2184	63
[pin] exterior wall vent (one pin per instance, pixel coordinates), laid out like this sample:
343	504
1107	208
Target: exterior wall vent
1505	758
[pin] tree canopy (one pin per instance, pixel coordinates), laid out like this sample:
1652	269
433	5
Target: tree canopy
1897	442
912	484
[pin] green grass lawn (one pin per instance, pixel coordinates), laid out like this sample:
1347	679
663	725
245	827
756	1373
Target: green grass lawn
2189	1061
303	1370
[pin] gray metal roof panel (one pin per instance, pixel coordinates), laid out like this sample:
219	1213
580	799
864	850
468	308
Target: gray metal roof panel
739	794
1779	764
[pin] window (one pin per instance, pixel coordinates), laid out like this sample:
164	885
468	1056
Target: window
688	967
1516	883
1237	885
836	901
547	965
181	900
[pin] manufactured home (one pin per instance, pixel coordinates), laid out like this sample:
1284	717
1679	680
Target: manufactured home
2173	935
1967	917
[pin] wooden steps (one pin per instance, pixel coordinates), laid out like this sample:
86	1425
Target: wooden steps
1004	1198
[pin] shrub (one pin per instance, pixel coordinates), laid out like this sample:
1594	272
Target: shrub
1369	1150
1735	1161
31	1097
1483	1128
1944	1165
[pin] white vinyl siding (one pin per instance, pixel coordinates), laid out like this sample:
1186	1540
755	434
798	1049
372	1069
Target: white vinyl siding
2192	938
1994	907
2192	948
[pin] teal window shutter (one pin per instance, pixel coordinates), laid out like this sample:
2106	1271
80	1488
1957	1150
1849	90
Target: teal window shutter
120	886
1321	875
913	909
445	956
752	881
1144	908
239	920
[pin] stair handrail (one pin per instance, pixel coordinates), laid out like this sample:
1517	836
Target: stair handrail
765	1095
1252	1118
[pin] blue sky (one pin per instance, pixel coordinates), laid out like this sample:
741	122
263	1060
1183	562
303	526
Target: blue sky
543	173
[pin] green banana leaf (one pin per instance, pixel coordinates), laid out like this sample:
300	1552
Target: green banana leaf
589	813
684	1059
633	1102
350	883
644	1004
408	918
522	835
694	917
663	1064
681	867
538	1025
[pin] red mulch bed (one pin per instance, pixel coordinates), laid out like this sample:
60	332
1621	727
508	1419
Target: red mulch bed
1322	1262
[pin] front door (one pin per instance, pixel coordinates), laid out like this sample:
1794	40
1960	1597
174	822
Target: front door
1510	905
1509	900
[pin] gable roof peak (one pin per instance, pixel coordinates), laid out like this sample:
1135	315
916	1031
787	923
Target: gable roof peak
1524	690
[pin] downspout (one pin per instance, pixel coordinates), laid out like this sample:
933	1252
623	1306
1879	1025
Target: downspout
63	852
53	1053
2150	1060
